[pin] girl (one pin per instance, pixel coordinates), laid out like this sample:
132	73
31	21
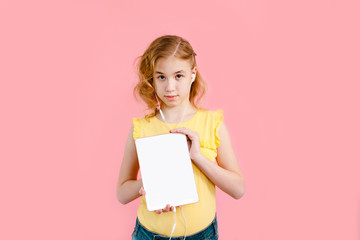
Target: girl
169	83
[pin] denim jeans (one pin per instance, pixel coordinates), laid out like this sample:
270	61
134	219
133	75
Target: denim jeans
209	233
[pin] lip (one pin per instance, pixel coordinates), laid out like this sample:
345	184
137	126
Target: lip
171	97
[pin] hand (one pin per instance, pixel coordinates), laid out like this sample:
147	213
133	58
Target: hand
166	209
193	141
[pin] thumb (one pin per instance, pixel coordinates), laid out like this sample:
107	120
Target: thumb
142	191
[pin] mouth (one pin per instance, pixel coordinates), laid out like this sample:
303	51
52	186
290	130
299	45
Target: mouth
172	97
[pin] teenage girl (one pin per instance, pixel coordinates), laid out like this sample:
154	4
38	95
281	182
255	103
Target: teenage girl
169	83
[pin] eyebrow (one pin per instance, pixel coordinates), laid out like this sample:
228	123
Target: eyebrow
174	72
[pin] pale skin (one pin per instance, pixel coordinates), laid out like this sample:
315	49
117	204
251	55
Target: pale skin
225	174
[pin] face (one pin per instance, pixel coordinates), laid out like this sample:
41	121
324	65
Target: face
172	81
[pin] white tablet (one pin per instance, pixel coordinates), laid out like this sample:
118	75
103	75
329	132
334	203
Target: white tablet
166	170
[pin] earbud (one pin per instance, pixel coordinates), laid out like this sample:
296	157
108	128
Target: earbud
158	105
193	77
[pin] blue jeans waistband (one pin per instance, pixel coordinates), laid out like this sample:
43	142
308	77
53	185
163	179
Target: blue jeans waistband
209	233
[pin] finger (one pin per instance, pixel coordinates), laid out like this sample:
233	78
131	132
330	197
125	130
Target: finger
167	208
179	130
186	132
189	133
142	191
183	130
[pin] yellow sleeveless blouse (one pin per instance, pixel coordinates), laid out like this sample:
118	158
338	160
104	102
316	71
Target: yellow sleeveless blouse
198	215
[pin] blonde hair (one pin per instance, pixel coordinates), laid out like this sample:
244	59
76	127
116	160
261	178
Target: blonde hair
163	47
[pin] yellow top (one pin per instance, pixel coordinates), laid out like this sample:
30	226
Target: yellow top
198	215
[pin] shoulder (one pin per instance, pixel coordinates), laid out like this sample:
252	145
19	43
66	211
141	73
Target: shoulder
213	117
215	113
141	120
137	126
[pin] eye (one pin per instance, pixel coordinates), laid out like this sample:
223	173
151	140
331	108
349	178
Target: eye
179	76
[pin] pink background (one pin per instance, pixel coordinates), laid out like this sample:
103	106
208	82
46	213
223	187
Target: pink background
285	73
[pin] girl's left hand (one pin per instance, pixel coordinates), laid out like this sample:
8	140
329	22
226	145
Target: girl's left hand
193	141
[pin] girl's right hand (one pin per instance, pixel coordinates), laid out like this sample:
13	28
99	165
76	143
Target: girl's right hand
167	209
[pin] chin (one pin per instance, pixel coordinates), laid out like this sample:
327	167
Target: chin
172	104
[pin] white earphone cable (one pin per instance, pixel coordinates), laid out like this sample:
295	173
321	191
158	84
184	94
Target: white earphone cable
182	213
184	220
173	225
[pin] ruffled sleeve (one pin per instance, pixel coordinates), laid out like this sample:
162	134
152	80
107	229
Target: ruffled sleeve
137	129
218	119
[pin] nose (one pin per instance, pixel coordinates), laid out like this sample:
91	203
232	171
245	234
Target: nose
171	84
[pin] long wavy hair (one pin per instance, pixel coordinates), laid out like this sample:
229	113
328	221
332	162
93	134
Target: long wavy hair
163	47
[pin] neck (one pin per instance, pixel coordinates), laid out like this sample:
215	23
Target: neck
176	113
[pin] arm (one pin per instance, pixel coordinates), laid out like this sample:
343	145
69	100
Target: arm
127	188
227	174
